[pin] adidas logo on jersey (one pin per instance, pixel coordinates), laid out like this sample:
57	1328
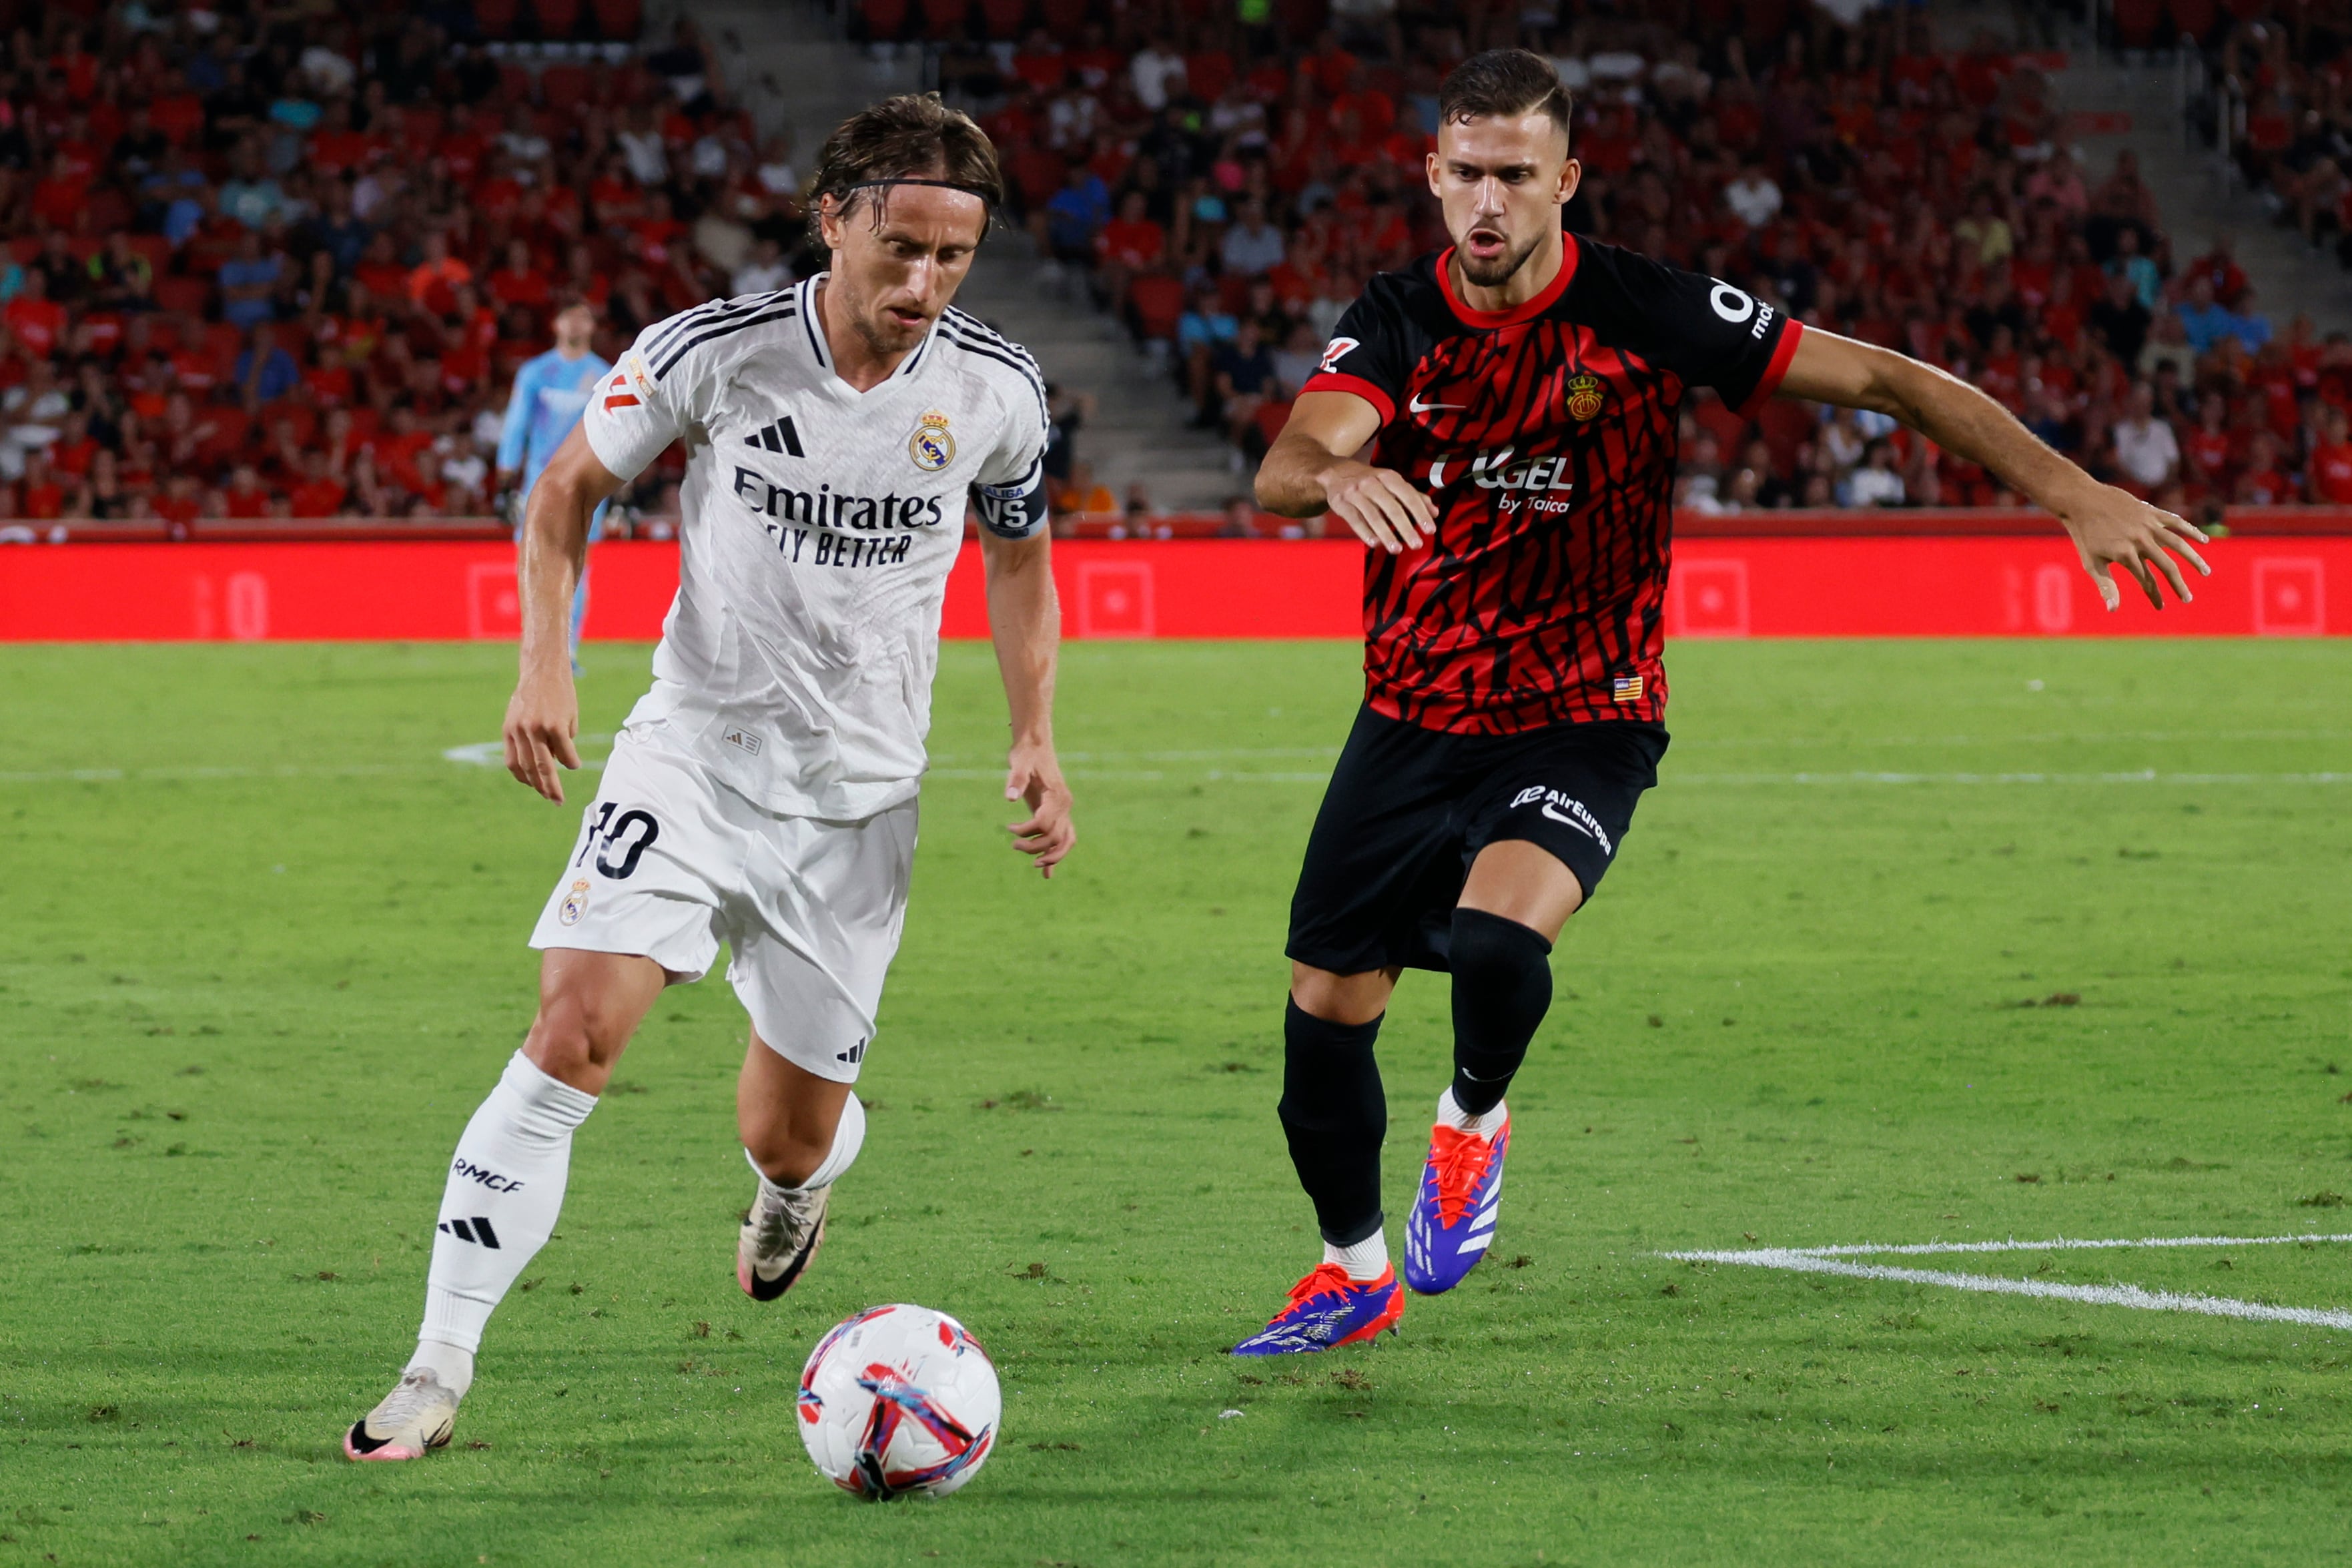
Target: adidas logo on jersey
476	1230
778	437
853	1056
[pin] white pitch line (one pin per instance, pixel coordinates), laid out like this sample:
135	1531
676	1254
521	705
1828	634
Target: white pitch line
1814	1261
2061	1244
2140	777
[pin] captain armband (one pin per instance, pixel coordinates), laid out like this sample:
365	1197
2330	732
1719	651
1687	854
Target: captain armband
1016	511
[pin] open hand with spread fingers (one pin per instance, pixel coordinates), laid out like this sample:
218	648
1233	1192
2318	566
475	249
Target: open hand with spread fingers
2115	527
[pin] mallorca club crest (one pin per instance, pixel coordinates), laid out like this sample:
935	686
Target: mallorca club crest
1584	397
931	445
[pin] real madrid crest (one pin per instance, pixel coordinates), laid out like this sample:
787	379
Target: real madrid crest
1584	397
575	904
931	445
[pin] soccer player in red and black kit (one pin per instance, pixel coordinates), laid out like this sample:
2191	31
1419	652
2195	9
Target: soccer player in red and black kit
1523	387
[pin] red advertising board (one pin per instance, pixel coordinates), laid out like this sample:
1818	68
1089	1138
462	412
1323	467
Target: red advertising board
1931	585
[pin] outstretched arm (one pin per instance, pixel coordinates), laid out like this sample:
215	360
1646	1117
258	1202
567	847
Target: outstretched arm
543	716
1024	621
1312	465
2110	527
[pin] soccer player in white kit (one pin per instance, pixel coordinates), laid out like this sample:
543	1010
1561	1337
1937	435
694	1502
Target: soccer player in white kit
763	793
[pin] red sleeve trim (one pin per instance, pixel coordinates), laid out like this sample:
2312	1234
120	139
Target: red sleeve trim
1335	381
1775	373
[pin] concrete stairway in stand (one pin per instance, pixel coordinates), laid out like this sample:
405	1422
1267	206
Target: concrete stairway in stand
787	64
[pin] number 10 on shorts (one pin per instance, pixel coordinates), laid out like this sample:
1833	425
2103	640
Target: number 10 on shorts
629	835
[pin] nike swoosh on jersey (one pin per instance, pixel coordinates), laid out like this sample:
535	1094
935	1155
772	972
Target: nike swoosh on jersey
1415	406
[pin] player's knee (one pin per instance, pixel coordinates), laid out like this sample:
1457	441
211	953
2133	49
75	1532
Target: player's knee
1340	998
1499	963
576	1038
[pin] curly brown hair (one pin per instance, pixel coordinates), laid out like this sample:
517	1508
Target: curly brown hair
911	136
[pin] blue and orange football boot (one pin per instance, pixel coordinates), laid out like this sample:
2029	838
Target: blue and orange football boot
1327	1309
1454	1214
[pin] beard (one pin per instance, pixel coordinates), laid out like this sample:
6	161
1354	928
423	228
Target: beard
1501	269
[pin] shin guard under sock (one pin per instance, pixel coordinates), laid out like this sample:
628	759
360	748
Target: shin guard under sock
1334	1115
504	1193
1502	988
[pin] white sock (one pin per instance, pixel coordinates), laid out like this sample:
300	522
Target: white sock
505	1190
452	1367
1485	1124
849	1137
1365	1261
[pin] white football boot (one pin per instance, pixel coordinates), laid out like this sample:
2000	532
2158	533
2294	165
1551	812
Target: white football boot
413	1420
782	1231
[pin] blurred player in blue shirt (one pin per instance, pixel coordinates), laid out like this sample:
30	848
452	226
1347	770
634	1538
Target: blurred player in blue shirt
551	393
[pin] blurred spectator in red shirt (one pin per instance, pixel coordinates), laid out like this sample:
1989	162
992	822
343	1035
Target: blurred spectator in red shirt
432	281
2331	460
519	281
319	493
38	321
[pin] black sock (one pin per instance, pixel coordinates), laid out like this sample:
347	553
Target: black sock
1502	988
1334	1115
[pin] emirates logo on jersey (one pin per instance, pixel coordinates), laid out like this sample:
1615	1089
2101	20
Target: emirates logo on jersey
1584	397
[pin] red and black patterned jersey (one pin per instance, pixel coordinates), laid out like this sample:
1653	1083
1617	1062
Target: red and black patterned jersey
1546	435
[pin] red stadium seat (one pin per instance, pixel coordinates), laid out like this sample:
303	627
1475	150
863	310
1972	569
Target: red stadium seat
884	20
155	248
944	20
25	246
564	88
1786	424
2195	17
2137	22
1209	74
1271	418
557	18
223	342
230	427
187	295
1004	18
1038	172
1062	18
495	18
619	21
1158	301
515	86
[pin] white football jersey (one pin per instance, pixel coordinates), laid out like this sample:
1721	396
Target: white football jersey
819	526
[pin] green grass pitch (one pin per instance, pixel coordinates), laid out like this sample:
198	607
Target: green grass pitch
265	953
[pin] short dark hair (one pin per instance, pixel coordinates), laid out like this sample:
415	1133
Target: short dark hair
1504	83
912	136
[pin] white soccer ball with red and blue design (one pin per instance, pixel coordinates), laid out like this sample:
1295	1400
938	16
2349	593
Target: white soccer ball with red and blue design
899	1399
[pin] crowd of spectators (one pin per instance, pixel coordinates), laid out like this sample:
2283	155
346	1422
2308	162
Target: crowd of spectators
283	261
1227	184
2282	79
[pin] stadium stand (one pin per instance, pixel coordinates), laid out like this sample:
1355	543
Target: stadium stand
282	263
1201	177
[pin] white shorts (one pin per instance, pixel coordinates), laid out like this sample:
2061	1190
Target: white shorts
670	863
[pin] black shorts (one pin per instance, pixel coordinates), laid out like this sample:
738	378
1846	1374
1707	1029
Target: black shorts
1408	809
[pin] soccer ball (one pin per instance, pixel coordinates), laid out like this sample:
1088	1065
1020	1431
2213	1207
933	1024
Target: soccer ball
899	1399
